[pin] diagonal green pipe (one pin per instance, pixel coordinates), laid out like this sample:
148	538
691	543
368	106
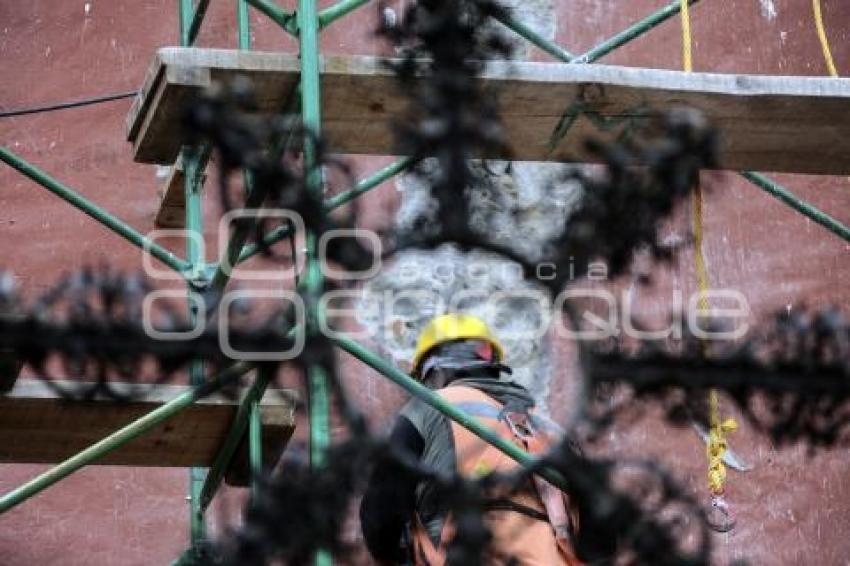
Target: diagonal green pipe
281	17
368	183
276	235
234	436
801	206
535	38
362	186
635	30
338	10
424	394
120	437
80	202
198	15
235	251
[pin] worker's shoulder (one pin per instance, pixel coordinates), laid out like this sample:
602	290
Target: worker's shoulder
419	413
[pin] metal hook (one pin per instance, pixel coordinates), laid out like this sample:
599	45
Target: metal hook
719	516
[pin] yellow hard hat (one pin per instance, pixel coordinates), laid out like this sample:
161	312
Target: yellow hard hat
450	327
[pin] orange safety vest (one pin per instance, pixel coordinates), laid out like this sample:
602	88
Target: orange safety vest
528	540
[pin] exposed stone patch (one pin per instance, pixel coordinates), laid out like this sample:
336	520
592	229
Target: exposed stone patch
508	201
518	204
539	15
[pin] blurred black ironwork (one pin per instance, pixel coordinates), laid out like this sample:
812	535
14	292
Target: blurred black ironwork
791	378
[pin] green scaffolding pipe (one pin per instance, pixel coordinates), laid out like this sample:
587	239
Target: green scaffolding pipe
271	238
195	257
311	115
234	436
243	25
235	243
368	183
253	199
192	168
319	394
320	428
362	186
188	558
255	445
80	202
197	19
813	213
424	394
119	438
635	30
528	33
281	17
194	214
194	162
310	99
186	13
236	248
338	10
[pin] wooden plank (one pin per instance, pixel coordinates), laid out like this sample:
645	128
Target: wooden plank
238	473
154	127
791	124
36	426
141	103
161	118
172	203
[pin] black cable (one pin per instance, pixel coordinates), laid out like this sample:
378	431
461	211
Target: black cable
64	105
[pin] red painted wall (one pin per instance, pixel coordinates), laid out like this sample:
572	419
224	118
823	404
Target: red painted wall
793	509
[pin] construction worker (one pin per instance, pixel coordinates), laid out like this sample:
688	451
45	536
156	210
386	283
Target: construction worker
457	356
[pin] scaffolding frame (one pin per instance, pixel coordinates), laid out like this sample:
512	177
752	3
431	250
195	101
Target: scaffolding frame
305	25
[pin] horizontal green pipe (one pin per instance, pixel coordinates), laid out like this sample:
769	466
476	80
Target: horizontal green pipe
362	186
528	33
338	10
284	19
88	207
119	438
368	183
635	30
424	394
197	20
798	204
233	438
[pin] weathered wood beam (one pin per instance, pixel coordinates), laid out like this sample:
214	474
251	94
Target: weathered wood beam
38	426
172	203
791	124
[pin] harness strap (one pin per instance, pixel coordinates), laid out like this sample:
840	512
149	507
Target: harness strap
508	505
425	553
488	411
551	497
550	503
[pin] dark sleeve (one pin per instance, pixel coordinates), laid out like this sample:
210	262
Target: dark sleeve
390	496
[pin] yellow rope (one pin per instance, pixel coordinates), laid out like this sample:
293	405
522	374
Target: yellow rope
716	446
824	41
699	257
687	60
